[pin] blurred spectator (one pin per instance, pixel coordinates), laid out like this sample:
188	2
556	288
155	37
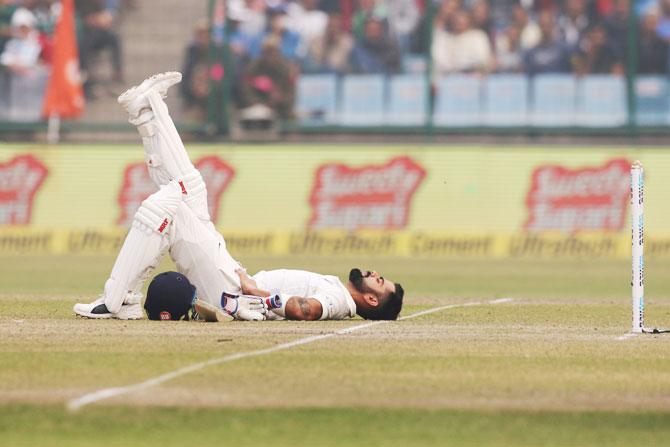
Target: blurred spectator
509	54
195	77
240	39
21	54
616	25
481	18
255	20
604	7
501	12
465	50
269	81
573	22
7	8
46	13
652	50
643	6
290	44
367	9
403	18
338	6
307	20
596	55
442	20
530	31
540	5
551	55
97	34
663	28
444	17
376	52
330	53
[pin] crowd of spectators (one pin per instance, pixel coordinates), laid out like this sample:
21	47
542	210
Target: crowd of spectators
27	30
273	41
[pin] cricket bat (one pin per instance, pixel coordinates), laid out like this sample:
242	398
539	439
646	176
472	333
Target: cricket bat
211	313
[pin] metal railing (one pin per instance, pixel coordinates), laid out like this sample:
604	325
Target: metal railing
418	101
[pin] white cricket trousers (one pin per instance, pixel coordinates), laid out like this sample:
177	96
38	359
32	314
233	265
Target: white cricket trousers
174	219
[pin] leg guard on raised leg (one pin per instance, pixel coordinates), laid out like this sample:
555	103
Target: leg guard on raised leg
167	159
144	246
195	194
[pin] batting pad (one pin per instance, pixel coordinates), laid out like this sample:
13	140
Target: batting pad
144	246
172	148
141	252
195	194
165	154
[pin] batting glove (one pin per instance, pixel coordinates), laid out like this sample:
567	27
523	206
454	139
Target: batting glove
247	307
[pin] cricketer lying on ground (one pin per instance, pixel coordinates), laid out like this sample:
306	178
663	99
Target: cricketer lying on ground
176	219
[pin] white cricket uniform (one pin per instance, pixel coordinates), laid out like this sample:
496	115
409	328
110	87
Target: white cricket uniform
199	252
334	297
176	218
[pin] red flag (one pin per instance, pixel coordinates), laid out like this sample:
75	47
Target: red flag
64	96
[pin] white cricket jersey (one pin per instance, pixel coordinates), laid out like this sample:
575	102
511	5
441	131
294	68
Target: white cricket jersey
335	299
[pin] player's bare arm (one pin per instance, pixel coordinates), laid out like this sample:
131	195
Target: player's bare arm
295	308
249	286
307	309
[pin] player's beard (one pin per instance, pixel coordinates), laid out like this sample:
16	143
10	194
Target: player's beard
356	279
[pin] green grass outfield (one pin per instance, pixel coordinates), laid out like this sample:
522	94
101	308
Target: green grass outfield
547	368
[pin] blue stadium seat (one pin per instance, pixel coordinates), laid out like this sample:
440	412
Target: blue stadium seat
407	100
458	101
506	100
363	100
554	100
316	101
5	78
653	100
26	95
414	63
602	101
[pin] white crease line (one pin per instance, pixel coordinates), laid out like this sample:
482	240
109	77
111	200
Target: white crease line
106	393
626	336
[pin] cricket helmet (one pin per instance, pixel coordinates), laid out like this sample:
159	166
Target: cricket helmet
170	297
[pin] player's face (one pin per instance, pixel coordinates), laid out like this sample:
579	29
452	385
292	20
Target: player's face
371	282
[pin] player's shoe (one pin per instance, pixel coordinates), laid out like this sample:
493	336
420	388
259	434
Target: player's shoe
132	310
134	100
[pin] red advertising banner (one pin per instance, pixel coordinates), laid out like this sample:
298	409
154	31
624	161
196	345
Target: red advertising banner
372	196
569	200
20	179
137	186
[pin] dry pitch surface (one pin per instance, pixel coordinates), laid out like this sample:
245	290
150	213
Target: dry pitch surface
549	368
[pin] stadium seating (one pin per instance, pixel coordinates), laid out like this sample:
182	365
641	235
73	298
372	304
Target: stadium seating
554	100
499	100
4	94
458	101
414	63
653	101
316	102
506	100
407	100
26	95
601	101
363	100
